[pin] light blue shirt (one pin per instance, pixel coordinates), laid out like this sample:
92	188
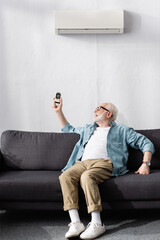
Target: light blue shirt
118	139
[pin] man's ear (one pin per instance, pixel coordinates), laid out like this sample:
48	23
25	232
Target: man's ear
109	115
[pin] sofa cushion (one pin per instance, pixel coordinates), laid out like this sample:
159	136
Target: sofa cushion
44	186
36	150
30	186
132	186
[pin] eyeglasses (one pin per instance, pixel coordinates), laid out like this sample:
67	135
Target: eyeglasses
99	108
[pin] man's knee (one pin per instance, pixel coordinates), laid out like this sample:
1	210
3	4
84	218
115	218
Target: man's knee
63	176
86	178
66	176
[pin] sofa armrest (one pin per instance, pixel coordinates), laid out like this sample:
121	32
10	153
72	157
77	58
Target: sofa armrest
0	159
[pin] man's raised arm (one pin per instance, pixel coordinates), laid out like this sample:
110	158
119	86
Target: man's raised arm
58	110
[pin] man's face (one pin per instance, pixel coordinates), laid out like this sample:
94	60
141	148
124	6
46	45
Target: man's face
100	113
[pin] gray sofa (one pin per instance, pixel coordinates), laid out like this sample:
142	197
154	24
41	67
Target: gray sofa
31	162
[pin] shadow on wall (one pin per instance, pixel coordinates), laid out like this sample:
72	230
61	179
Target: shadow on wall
132	22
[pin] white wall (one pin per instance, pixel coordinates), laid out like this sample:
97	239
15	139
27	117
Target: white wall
87	70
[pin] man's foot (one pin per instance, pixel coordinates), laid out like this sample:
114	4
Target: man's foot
93	230
76	228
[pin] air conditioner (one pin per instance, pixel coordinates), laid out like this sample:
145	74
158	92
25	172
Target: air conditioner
89	21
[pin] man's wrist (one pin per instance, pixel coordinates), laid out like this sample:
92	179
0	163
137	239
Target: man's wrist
148	163
59	112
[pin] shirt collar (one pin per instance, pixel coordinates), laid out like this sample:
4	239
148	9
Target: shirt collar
95	125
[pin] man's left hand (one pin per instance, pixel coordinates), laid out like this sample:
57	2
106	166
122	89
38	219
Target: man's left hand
144	169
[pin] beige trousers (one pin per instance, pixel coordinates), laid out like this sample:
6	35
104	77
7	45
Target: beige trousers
89	173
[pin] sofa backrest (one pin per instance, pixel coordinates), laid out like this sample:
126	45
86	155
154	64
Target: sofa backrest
36	150
51	151
136	156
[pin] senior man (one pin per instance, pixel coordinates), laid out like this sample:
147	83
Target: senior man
101	152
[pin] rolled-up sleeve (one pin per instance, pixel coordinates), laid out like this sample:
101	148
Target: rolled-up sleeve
66	128
139	141
70	129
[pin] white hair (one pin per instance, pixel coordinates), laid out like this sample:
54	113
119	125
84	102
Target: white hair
112	108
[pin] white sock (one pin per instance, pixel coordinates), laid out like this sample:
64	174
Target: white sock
96	217
74	215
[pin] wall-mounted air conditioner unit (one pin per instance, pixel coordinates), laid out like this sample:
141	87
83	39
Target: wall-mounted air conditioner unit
89	21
